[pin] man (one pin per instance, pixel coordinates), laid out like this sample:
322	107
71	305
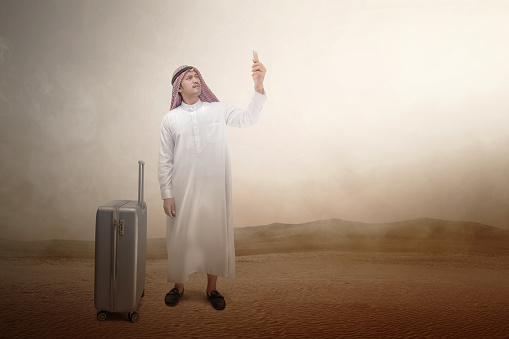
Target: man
195	180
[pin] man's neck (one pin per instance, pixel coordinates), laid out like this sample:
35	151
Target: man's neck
190	101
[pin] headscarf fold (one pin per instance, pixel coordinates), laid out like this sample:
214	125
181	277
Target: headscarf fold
176	100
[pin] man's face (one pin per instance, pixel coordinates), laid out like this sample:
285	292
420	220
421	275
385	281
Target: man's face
190	85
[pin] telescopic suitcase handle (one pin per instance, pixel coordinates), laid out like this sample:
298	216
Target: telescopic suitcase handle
141	184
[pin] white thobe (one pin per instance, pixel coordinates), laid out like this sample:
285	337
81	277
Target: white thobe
194	169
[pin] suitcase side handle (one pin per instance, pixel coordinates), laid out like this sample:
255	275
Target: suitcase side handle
141	183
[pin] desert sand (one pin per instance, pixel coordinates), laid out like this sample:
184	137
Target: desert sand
327	279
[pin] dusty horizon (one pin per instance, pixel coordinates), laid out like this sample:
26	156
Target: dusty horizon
376	111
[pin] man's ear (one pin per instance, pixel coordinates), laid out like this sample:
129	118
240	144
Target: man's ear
180	88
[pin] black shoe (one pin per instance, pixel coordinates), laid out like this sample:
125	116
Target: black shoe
172	298
216	300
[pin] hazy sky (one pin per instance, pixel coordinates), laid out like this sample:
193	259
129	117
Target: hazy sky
377	111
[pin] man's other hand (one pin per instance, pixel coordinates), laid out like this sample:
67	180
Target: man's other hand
169	207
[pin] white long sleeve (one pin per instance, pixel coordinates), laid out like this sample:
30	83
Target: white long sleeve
245	117
166	156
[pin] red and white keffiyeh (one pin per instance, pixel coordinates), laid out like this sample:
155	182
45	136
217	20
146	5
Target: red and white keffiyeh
176	100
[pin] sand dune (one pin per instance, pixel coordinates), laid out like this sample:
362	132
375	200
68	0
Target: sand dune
47	248
326	279
417	235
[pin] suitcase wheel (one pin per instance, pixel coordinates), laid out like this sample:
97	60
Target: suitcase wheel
101	316
143	293
133	317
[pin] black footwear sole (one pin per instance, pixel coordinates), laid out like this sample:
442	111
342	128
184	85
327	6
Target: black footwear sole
212	300
174	297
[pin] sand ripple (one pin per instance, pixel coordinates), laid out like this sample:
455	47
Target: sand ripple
298	295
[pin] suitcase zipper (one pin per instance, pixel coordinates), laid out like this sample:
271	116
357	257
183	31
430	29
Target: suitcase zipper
118	227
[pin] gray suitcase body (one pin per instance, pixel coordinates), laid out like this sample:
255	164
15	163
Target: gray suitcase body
120	253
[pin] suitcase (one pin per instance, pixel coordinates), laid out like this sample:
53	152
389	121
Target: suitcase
120	253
